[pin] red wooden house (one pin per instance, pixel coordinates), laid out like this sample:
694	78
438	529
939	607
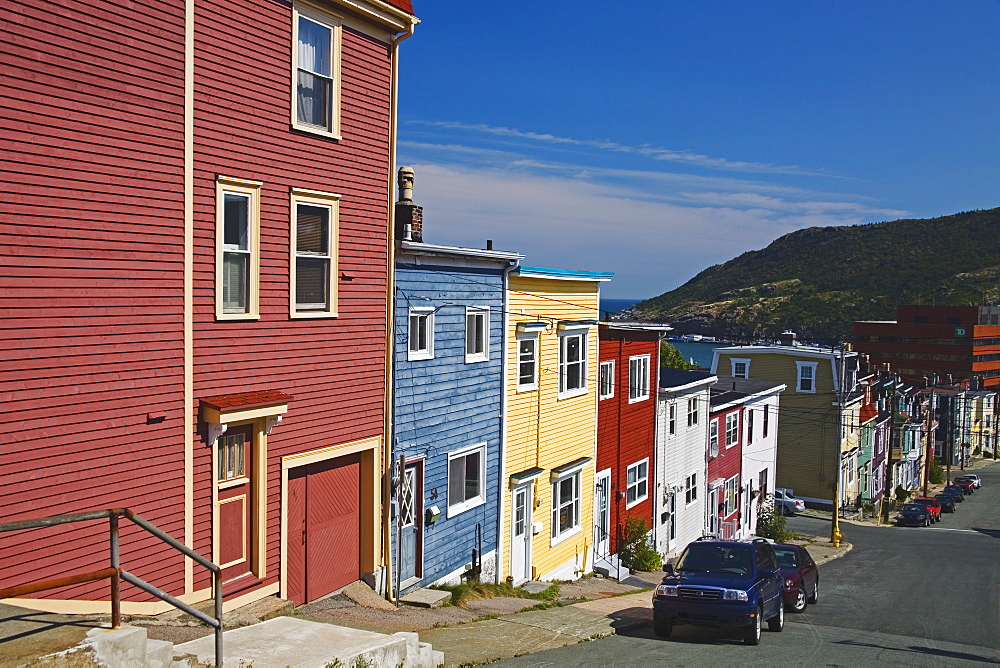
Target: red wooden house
626	434
196	248
725	461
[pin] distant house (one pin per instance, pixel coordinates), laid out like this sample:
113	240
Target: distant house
819	412
626	435
547	484
448	404
681	437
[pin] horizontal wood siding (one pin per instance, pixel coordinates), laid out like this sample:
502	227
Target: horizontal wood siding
91	232
333	367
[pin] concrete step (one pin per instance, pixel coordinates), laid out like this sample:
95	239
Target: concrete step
611	567
426	598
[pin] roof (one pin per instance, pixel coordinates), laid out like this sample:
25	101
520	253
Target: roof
730	390
228	402
405	5
802	351
562	274
420	247
680	379
631	325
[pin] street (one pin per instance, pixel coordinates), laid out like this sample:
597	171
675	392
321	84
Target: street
910	596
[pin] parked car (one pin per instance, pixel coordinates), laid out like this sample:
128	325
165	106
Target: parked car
913	514
947	502
735	584
801	576
955	491
976	481
933	505
786	503
967	485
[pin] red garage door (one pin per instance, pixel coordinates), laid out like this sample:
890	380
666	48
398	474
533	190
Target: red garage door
324	521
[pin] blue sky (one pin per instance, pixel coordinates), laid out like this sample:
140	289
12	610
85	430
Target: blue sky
654	139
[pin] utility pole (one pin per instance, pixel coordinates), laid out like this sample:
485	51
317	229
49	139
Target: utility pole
928	441
889	478
951	437
835	535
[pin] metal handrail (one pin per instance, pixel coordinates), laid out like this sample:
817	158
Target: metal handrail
599	535
116	573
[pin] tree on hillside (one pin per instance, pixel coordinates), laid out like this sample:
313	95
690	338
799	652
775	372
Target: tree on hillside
671	358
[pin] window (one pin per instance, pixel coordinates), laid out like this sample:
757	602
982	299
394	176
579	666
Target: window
730	497
572	365
607	380
763	484
527	362
732	429
237	260
477	328
636	483
315	90
314	253
806	376
233	450
638	378
691	488
749	427
672	419
740	367
692	412
767	415
466	473
566	506
713	438
420	335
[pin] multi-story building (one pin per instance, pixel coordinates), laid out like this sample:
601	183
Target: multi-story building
196	291
449	383
550	442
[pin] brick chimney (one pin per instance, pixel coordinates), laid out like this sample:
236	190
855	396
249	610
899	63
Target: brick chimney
409	216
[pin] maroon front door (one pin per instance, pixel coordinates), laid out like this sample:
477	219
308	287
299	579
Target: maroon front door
324	525
234	474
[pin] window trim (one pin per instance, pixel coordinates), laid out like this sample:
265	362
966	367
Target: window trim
690	489
713	438
692	415
483	356
748	429
554	538
643	387
322	199
727	510
426	353
672	419
534	338
734	427
564	336
336	49
733	361
798	376
645	479
224	184
607	364
480	499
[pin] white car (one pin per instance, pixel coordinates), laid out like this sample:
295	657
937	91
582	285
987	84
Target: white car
786	503
976	482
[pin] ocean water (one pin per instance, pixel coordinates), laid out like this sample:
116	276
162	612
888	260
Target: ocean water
701	353
614	305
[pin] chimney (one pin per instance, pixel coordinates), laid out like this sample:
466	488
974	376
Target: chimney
409	216
788	338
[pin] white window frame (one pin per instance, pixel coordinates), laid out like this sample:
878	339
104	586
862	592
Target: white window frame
713	438
734	362
558	503
472	502
637	491
748	429
767	420
799	366
672	419
564	364
533	337
251	190
427	351
690	489
692	412
332	128
606	389
730	496
638	378
478	312
732	429
331	202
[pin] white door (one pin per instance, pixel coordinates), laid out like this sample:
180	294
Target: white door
602	512
670	526
520	535
713	511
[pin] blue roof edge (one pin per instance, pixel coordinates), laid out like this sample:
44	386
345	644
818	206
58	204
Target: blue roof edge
566	274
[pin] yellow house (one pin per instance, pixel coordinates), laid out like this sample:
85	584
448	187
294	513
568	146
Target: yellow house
981	436
550	442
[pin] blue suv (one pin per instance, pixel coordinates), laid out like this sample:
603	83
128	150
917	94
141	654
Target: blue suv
735	584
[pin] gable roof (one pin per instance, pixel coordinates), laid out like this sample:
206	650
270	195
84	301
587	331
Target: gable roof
405	5
679	379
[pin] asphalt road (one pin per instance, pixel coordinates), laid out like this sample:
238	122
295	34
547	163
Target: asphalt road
904	595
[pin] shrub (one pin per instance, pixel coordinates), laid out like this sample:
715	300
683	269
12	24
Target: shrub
770	522
636	551
936	474
901	494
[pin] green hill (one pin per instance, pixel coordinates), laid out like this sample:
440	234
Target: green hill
819	280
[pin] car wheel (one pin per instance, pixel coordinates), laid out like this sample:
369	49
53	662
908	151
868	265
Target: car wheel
777	623
815	593
784	511
800	601
751	634
662	629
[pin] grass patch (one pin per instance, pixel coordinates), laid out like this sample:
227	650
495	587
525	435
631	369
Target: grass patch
461	594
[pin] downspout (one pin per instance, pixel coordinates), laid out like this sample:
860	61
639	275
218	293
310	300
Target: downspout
390	312
501	487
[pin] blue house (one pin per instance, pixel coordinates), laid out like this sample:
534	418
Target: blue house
448	404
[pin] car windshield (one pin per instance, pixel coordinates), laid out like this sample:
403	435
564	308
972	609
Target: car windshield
716	558
912	507
925	502
787	557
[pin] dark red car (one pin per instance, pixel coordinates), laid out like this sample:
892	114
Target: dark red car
966	484
801	576
932	505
